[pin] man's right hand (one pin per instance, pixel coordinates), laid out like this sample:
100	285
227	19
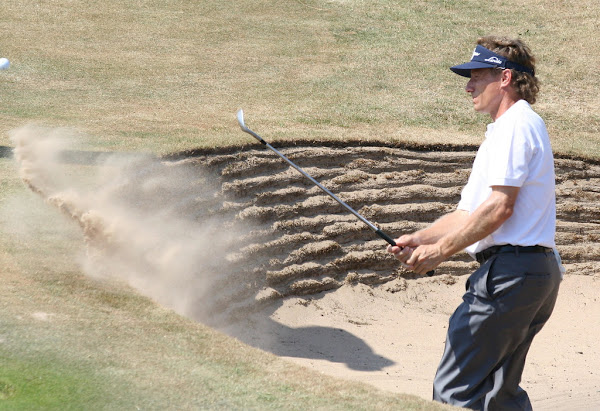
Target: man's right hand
405	245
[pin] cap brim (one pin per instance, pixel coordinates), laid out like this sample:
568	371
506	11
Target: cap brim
465	69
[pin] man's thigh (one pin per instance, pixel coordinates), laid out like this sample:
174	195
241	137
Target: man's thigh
504	297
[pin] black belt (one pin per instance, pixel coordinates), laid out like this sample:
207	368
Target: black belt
484	255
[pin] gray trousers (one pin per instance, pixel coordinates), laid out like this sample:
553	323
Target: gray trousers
508	301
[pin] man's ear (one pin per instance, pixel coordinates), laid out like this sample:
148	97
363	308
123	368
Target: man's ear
506	77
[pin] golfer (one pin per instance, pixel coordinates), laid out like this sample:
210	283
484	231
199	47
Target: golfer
506	220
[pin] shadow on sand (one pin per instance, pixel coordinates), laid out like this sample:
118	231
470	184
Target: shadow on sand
313	342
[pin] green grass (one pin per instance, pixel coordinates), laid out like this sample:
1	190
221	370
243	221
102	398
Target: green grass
38	384
168	76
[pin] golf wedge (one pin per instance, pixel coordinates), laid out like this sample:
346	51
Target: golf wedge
375	229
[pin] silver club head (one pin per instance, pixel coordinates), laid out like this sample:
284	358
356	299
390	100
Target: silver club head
240	118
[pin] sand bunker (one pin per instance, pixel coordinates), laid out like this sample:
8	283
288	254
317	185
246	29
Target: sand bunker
242	236
308	243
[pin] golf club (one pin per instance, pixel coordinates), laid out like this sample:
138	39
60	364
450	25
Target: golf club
390	240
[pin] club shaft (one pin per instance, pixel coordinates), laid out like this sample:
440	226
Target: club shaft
372	226
324	189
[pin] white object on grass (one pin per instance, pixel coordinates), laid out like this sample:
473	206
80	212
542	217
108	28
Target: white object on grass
4	63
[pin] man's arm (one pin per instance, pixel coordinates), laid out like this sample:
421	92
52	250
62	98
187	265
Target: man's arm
430	235
441	227
486	219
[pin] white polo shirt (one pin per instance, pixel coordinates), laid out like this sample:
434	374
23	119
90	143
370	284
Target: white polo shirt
516	153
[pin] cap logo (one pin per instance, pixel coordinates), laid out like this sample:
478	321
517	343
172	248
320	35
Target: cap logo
494	60
475	54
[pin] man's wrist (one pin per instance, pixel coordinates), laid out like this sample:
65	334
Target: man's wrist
447	247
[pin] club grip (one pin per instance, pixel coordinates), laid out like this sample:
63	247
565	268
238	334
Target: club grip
386	237
391	242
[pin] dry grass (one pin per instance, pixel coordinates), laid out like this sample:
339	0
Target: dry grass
169	76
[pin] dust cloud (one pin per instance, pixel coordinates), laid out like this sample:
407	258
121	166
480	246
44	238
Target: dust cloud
153	224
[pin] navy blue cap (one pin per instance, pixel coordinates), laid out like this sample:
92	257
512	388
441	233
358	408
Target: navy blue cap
484	58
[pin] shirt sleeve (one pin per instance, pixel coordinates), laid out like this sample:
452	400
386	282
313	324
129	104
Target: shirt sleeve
465	196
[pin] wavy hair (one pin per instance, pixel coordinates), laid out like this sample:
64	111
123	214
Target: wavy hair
526	85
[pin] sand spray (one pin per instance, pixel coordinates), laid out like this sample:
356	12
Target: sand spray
146	222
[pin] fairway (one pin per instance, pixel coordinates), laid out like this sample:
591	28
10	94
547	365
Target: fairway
155	256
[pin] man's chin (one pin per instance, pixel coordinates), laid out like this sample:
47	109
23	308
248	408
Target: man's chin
477	107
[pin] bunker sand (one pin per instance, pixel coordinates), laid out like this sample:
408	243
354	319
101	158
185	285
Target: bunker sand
279	265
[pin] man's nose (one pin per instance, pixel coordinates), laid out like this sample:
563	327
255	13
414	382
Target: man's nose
469	88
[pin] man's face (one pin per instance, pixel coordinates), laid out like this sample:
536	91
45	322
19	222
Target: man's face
484	87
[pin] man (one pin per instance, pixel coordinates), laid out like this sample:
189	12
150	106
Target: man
506	220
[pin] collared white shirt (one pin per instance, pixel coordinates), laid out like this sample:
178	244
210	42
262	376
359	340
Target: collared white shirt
516	153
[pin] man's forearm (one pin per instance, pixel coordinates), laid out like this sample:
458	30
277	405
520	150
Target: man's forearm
426	249
442	226
486	219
